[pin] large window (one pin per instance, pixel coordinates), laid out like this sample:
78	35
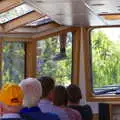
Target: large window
13	62
105	60
54	58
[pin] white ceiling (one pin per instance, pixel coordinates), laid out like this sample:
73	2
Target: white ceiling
78	12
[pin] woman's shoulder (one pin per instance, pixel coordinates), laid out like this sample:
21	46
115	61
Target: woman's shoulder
73	114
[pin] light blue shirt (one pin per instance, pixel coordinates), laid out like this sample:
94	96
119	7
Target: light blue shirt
47	106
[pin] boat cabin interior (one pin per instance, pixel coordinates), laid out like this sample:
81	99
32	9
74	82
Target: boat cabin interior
74	41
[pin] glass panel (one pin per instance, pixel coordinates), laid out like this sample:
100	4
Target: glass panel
14	13
105	48
52	62
13	62
41	21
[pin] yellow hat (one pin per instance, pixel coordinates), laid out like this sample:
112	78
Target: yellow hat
11	94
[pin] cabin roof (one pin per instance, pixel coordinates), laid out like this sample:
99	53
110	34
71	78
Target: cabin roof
18	17
80	12
34	16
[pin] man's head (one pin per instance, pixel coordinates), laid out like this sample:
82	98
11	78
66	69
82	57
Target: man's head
60	96
11	98
74	94
48	85
32	91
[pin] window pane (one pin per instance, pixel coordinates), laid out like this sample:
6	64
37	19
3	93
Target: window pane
105	45
14	13
41	21
13	62
52	62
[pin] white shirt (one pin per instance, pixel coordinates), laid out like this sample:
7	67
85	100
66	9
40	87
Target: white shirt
47	106
11	115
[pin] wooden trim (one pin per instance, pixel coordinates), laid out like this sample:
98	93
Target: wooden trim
93	27
88	78
104	99
1	62
76	56
86	55
12	39
56	31
110	109
114	110
6	5
31	59
48	26
36	29
16	35
1	29
76	48
24	30
20	21
95	117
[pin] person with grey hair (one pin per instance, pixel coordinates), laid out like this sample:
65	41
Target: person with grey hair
32	92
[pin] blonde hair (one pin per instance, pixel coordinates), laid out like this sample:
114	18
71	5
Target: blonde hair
32	91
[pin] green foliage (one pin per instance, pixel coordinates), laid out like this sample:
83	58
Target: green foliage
60	70
13	62
105	60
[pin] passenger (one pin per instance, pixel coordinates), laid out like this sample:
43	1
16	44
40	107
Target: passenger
74	96
11	96
60	100
32	92
46	104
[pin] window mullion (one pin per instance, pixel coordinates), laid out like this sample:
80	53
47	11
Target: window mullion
1	40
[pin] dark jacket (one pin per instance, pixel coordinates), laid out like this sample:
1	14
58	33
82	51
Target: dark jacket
85	111
34	113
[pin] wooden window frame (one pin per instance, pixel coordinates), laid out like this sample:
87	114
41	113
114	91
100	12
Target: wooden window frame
30	52
76	31
88	78
2	39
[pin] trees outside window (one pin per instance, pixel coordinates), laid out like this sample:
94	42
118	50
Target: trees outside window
13	62
105	50
51	62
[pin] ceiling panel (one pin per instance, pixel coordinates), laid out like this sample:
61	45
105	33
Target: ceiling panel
79	20
104	6
76	12
52	1
61	7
